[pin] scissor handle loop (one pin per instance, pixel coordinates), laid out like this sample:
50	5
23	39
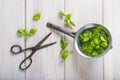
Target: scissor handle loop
26	66
16	46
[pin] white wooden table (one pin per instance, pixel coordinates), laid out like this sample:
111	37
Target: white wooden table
47	64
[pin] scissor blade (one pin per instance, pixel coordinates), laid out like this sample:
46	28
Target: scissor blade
43	39
47	45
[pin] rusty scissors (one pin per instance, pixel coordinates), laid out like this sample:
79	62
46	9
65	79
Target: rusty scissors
33	49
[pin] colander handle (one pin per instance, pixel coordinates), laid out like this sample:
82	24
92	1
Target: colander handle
55	27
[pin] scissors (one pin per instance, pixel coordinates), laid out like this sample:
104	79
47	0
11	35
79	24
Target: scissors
33	49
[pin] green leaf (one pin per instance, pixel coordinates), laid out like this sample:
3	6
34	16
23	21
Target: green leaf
26	33
85	39
96	31
72	23
20	32
67	17
61	13
63	44
96	40
85	35
36	16
64	54
95	53
32	31
104	44
103	39
66	22
97	47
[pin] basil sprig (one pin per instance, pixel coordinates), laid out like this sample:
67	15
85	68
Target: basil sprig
67	19
64	53
26	33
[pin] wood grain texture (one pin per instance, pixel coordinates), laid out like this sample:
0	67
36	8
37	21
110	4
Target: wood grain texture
11	18
47	64
76	67
111	21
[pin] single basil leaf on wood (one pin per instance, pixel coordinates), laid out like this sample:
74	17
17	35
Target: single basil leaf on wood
61	13
20	32
63	44
66	22
32	31
67	17
64	54
36	16
71	22
26	33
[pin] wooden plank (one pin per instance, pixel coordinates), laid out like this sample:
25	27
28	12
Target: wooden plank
111	21
76	67
47	64
11	18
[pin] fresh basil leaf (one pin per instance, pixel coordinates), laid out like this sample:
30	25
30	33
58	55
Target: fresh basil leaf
85	39
96	31
97	47
67	17
71	22
104	44
27	34
66	22
32	31
96	40
20	32
63	44
103	39
64	54
95	53
36	16
61	13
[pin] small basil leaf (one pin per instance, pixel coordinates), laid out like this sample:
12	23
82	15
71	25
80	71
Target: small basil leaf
67	17
67	22
95	53
20	32
104	44
103	39
85	39
72	23
96	40
64	54
61	13
36	16
32	31
63	44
